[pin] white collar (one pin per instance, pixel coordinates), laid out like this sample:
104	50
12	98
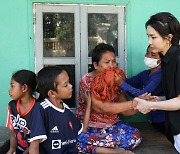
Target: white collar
56	108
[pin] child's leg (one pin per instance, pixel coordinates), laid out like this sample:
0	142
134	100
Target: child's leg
102	150
5	147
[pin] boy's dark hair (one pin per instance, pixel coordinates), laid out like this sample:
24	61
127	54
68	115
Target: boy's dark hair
165	23
26	77
160	54
46	80
98	51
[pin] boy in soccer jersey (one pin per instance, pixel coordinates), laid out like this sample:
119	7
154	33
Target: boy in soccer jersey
54	128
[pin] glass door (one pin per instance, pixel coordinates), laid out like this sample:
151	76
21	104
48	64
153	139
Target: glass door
57	40
102	24
66	34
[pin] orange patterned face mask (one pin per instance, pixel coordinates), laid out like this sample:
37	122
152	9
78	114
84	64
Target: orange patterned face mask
103	86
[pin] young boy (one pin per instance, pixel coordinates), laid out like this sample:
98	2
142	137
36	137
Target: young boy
54	128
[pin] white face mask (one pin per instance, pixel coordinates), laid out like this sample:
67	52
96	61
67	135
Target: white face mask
151	62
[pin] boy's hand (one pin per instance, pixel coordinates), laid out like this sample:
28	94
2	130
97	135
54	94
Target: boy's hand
148	96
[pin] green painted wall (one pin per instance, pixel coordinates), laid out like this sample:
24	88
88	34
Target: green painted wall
17	43
15	50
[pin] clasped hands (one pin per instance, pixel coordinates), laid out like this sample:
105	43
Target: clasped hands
143	102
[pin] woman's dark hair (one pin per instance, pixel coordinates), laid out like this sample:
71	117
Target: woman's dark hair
26	77
147	48
46	80
165	23
98	51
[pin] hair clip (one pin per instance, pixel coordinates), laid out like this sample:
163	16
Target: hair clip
170	17
162	24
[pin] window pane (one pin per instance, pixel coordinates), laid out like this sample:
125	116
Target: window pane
58	35
90	69
102	28
71	73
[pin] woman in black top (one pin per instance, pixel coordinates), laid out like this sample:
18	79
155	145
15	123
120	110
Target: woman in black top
163	31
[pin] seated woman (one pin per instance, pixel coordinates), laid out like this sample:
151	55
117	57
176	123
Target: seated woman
106	133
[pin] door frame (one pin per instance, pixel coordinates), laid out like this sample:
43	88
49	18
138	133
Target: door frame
81	59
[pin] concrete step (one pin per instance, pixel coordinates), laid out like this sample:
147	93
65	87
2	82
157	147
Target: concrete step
153	141
4	134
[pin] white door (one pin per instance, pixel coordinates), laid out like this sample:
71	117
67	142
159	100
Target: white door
66	34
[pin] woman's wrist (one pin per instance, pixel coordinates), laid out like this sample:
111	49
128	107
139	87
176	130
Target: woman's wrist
134	103
151	105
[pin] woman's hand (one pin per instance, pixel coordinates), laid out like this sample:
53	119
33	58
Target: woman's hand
142	106
87	99
86	96
118	80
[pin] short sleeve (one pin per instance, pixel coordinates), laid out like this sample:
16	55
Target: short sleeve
79	125
37	124
81	129
9	119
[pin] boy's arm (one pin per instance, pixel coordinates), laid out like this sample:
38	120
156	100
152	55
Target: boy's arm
150	87
34	147
13	143
26	151
87	112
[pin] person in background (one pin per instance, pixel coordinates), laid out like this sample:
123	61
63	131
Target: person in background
106	133
23	86
163	30
54	128
147	81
